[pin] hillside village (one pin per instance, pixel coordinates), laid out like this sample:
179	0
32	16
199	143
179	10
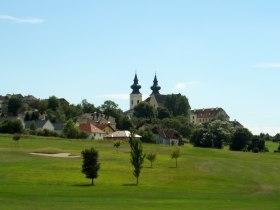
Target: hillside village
163	119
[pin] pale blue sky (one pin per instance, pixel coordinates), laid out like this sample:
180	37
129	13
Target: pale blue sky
219	53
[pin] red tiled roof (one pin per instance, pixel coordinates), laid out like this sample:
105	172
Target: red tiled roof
89	128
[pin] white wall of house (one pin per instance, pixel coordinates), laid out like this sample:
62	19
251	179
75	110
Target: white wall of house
48	125
96	136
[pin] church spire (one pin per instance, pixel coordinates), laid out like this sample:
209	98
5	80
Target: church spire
155	88
135	87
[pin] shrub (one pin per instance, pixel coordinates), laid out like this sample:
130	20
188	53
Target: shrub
16	137
256	150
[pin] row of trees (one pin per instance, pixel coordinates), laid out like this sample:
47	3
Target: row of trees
91	165
218	134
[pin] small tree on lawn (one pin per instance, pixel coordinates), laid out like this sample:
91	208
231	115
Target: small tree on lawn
117	145
90	165
151	157
16	137
137	155
175	154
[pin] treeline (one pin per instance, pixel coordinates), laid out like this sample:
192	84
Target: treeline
219	133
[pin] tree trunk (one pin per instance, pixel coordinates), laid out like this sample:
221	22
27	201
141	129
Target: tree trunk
91	181
137	180
151	164
176	162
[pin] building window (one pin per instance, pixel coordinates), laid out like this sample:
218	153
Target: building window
131	102
137	101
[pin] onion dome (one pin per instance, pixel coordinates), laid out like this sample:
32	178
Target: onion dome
155	88
135	87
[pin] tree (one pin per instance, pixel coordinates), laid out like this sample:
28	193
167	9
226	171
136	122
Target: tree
16	137
87	107
163	113
144	110
11	126
137	155
240	139
117	145
175	154
215	134
151	157
70	130
90	165
33	126
177	105
53	103
14	105
148	136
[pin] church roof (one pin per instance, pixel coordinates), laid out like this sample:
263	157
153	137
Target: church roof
135	86
155	88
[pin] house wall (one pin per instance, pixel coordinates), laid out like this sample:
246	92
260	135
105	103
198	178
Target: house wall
96	136
48	125
108	130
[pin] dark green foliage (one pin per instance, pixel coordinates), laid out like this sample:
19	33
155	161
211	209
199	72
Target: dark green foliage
137	155
90	164
14	105
148	136
214	134
175	154
276	138
257	142
124	123
33	126
177	105
46	132
70	130
241	138
110	108
151	157
163	113
256	150
144	110
180	123
53	103
11	126
88	107
117	145
16	137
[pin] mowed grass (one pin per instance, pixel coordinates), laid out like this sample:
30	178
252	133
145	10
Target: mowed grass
204	179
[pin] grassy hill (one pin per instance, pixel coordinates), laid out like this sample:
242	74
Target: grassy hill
204	179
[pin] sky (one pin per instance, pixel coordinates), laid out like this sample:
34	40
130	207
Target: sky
218	53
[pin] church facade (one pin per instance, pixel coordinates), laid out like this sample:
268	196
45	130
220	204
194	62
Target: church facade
155	99
197	116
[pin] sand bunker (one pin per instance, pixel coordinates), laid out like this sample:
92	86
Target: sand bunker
64	155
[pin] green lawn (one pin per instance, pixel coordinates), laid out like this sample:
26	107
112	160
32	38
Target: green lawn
205	178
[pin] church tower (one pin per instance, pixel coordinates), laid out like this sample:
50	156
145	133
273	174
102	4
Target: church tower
135	96
155	88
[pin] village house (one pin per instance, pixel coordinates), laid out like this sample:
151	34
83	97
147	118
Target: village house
120	136
92	131
107	128
97	119
169	137
199	116
40	124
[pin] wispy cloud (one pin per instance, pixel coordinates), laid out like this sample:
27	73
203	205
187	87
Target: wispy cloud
268	65
119	96
184	85
21	20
